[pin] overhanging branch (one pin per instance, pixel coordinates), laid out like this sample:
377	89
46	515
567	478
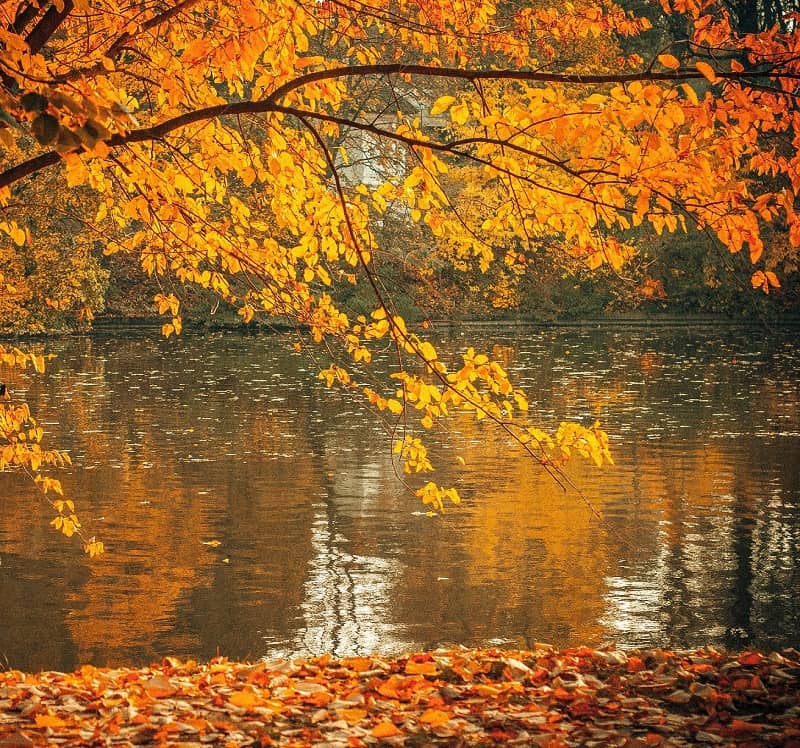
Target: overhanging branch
272	103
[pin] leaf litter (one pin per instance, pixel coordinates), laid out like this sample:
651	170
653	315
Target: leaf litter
451	697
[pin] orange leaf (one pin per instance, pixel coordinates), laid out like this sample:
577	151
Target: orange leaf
669	61
384	730
635	664
359	664
49	720
245	699
751	658
421	668
434	717
759	280
707	71
353	716
738	725
390	688
158	687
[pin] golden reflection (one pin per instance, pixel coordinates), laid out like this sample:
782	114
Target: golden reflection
247	512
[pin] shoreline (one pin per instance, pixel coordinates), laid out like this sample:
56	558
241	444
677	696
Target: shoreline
634	321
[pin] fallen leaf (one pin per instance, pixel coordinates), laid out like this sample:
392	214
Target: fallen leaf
308	687
434	717
359	664
635	664
421	668
739	725
158	687
679	697
49	720
384	729
353	716
750	658
245	699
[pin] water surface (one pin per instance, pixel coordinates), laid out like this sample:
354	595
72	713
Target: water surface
249	512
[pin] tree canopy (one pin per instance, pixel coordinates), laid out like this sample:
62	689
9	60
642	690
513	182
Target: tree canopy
259	150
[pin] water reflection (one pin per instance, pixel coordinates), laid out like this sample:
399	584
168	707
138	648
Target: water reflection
347	605
694	537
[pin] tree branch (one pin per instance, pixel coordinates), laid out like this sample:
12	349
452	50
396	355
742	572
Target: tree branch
39	34
47	26
25	14
272	102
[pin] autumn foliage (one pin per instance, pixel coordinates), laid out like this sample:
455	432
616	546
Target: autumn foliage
542	697
224	146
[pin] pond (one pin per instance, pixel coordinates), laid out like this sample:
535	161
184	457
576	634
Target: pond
247	511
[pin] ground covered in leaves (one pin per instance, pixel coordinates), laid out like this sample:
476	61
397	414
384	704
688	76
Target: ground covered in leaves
544	697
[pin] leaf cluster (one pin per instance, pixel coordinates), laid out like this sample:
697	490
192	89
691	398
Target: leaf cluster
539	696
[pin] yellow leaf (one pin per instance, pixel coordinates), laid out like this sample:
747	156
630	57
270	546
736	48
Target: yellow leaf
94	548
459	114
442	104
427	351
669	61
